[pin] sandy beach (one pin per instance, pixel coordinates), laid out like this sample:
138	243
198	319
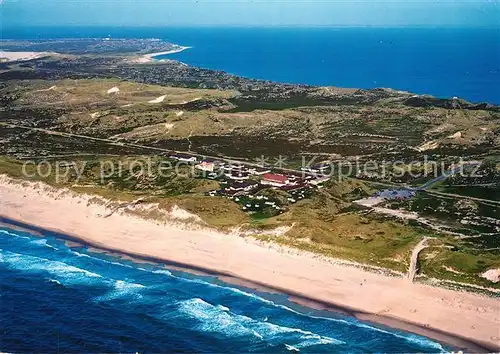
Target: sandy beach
148	58
460	319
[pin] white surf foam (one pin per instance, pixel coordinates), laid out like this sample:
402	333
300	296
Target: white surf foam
261	299
219	319
213	319
5	232
121	289
156	271
43	242
223	308
291	348
314	340
36	264
413	338
78	254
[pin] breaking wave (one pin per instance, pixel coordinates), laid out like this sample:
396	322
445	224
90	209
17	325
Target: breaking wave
32	264
220	319
43	242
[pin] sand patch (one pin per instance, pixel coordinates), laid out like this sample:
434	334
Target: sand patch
430	145
457	135
146	132
492	275
21	56
113	90
158	99
452	270
181	214
193	100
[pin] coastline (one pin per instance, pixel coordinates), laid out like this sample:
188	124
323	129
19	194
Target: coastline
151	57
415	308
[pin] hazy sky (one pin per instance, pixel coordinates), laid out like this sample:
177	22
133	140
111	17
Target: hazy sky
251	12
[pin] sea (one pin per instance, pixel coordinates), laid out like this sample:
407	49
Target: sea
60	297
444	62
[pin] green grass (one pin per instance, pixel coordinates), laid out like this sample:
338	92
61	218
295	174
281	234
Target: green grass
458	264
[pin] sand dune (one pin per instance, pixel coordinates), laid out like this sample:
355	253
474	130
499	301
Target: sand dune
158	99
21	56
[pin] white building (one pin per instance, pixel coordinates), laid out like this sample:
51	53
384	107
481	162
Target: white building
184	158
206	166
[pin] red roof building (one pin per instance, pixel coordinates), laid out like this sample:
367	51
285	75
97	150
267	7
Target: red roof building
271	177
275	180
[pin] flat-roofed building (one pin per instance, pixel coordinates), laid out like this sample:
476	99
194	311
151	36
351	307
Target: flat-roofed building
275	180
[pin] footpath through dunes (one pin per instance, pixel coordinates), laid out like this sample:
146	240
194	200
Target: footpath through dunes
413	269
414	307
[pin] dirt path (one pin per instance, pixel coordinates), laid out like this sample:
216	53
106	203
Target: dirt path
463	197
413	269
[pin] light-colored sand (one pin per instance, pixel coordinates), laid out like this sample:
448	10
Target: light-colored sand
148	58
15	56
370	201
113	90
457	135
463	314
430	145
492	275
158	99
193	100
51	88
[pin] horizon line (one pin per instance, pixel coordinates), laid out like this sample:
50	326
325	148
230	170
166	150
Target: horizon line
4	28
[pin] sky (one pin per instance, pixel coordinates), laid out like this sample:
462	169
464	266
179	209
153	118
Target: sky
470	13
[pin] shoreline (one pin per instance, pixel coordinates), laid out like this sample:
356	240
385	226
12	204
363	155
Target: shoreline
231	279
151	57
232	260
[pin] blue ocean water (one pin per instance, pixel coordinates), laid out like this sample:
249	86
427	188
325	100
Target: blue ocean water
56	298
444	62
